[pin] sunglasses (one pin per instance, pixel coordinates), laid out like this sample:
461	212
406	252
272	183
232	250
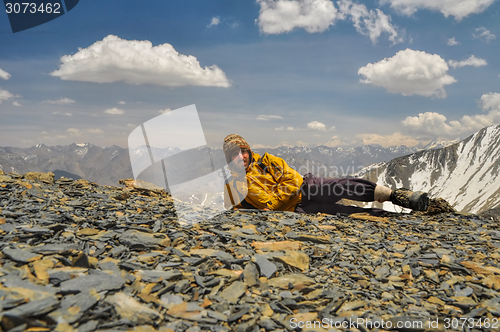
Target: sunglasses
242	150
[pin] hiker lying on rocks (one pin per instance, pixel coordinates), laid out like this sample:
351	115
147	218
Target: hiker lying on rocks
268	183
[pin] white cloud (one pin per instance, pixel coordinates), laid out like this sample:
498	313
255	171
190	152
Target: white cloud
452	42
137	62
490	102
388	140
457	8
62	113
5	95
315	125
409	73
131	125
166	110
74	131
114	111
264	117
3	74
288	129
52	137
215	21
301	143
95	131
60	101
471	61
121	102
371	23
15	103
483	34
338	141
282	16
435	124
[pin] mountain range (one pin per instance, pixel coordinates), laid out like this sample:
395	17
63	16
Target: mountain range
97	164
107	165
464	173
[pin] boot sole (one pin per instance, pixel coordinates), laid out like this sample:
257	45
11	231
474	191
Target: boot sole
419	201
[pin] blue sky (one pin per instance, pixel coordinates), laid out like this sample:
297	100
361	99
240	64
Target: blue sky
296	72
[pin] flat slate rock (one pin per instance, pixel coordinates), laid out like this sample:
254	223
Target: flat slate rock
20	255
76	256
99	282
33	308
266	268
133	238
234	292
74	307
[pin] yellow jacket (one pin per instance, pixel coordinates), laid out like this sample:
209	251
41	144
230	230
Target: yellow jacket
269	183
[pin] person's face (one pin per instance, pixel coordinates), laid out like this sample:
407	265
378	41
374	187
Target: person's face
242	158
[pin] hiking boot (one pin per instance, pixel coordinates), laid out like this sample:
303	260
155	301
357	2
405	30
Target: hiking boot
417	201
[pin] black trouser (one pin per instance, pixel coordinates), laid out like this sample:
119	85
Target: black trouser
322	195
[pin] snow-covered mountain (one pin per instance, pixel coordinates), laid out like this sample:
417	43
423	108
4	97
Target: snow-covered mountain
440	144
466	174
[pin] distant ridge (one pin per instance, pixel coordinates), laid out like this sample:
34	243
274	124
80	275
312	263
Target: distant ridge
109	164
97	164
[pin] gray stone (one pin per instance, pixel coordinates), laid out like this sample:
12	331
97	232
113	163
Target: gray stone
73	307
88	326
133	238
217	315
15	281
170	300
267	269
33	308
237	315
156	276
129	308
234	292
99	282
20	255
251	274
56	248
267	323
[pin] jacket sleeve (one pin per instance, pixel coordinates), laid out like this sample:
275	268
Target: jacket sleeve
288	181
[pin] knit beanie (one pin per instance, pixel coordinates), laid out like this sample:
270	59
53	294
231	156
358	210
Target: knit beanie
232	144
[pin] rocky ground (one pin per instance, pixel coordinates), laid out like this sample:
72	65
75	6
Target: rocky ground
76	256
